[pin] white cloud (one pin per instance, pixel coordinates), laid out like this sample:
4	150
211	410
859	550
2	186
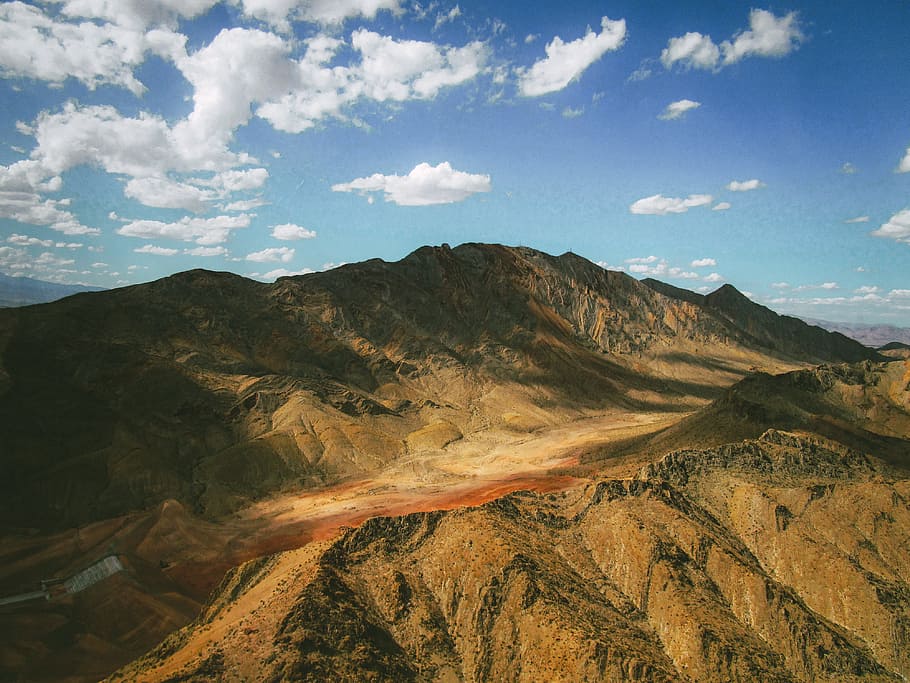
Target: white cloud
658	205
165	193
245	204
899	293
206	251
156	251
389	70
423	186
651	266
277	12
531	37
204	231
713	277
569	113
34	45
272	255
858	219
823	285
692	50
904	165
897	228
139	147
136	14
780	285
643	259
239	67
281	272
744	185
401	70
768	36
867	289
678	109
721	206
703	263
848	168
26	241
290	231
565	62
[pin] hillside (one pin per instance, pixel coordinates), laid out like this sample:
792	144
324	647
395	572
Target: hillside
214	390
778	559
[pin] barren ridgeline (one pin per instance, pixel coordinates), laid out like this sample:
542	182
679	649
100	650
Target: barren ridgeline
201	424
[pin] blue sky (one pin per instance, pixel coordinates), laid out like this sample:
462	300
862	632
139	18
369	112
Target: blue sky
764	145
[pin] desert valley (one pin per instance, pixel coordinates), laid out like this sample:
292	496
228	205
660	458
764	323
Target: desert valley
475	463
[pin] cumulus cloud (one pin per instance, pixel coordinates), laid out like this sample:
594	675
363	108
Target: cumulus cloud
651	266
703	262
658	205
278	12
389	70
281	272
272	255
206	251
721	206
168	194
692	50
27	241
398	70
858	219
569	113
867	289
848	168
155	250
137	14
423	186
678	109
141	146
21	200
713	277
767	36
897	228
34	45
744	185
203	231
565	62
290	231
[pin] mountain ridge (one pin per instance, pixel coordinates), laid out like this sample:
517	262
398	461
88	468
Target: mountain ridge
219	389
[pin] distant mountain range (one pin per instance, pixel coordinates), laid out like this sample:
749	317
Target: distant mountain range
872	335
23	291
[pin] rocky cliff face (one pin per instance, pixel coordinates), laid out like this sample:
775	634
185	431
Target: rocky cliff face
778	559
214	390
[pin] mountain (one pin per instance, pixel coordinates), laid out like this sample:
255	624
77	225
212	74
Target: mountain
202	423
776	559
216	390
22	291
865	406
872	335
764	327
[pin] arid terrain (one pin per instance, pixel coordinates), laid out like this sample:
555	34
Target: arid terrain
480	463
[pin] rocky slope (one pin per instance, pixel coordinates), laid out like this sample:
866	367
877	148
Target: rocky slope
863	405
777	559
214	390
